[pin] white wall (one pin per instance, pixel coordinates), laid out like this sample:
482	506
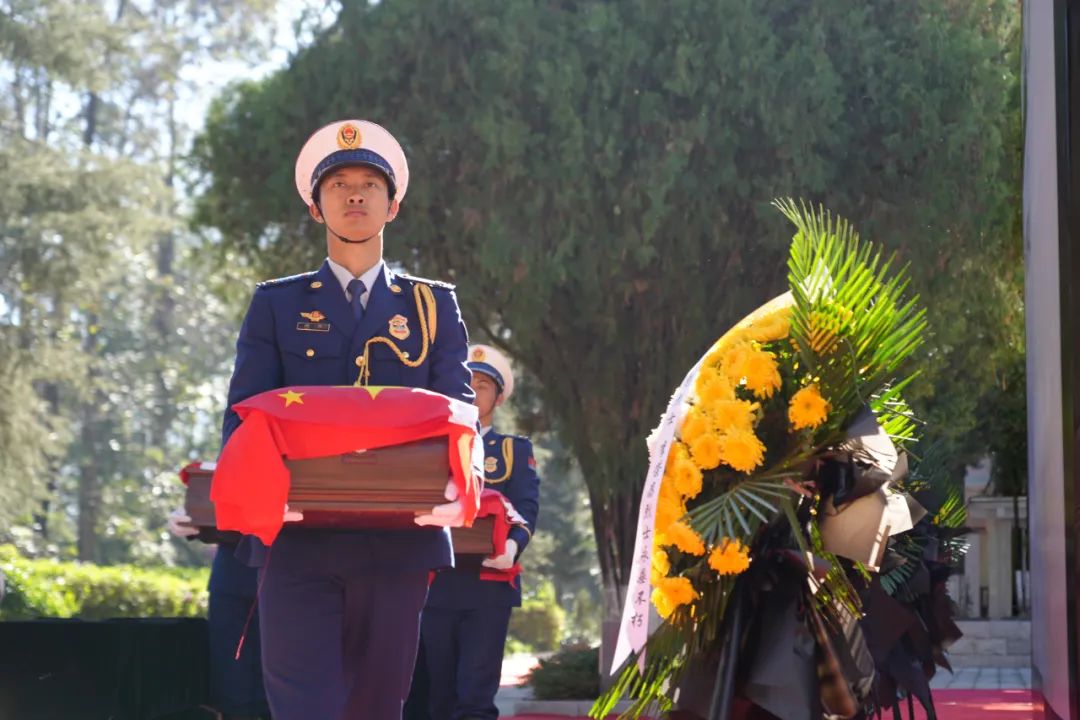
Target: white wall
1045	462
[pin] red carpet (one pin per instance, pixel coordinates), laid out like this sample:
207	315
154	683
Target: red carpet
951	705
982	705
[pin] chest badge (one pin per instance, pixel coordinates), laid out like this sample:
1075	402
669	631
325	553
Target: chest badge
399	327
490	465
314	322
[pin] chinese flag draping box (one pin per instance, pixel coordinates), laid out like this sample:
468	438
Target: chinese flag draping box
475	540
346	457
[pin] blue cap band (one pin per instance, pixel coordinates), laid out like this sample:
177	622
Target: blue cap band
488	370
342	158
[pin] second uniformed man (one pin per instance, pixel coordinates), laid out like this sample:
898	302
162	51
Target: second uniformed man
466	617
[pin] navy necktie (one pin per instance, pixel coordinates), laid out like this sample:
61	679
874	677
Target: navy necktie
356	290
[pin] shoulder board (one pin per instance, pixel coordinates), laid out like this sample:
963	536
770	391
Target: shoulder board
425	281
277	282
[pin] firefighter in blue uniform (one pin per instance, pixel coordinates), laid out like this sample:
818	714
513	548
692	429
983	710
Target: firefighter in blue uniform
339	610
236	685
466	618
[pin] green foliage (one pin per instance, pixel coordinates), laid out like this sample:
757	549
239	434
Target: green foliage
1004	408
112	341
539	622
47	588
563	550
570	674
596	177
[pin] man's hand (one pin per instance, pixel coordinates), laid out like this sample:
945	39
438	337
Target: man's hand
292	515
179	524
504	561
450	514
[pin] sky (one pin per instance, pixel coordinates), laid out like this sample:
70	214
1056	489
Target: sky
211	78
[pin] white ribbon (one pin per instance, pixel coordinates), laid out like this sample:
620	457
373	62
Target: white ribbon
634	628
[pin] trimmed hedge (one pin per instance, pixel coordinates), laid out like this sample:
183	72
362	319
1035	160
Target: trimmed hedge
538	623
46	588
570	674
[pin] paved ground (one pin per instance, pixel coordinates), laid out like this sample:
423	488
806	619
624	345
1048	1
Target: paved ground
988	678
950	705
970	694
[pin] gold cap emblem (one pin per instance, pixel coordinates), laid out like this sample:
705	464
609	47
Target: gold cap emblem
348	137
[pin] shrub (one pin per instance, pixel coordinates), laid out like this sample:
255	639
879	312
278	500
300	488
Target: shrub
570	674
46	588
538	623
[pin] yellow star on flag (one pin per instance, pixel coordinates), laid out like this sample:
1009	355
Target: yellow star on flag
291	397
374	390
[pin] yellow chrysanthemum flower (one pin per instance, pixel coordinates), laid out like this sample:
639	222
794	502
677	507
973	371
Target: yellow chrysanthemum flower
671	594
731	557
669	507
742	450
662	603
696	424
729	414
733	361
678	452
683	537
773	327
667	487
660	566
712	387
761	373
705	449
688	477
808	409
707	374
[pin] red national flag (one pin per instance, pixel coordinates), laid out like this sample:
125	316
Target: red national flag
493	503
251	482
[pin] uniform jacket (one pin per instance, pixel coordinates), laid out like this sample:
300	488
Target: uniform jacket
510	468
300	330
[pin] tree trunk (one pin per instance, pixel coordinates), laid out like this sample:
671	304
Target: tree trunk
89	488
164	321
614	519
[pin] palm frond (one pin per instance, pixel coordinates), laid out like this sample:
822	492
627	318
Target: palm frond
665	655
908	551
744	506
852	322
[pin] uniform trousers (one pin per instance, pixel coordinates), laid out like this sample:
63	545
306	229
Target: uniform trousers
339	632
464	652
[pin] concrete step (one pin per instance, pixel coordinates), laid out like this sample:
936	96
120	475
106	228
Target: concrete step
989	661
992	644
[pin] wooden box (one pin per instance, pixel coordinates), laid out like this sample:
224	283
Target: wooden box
201	511
475	540
382	488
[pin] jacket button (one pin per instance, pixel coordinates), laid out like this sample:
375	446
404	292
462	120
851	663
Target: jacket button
310	353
